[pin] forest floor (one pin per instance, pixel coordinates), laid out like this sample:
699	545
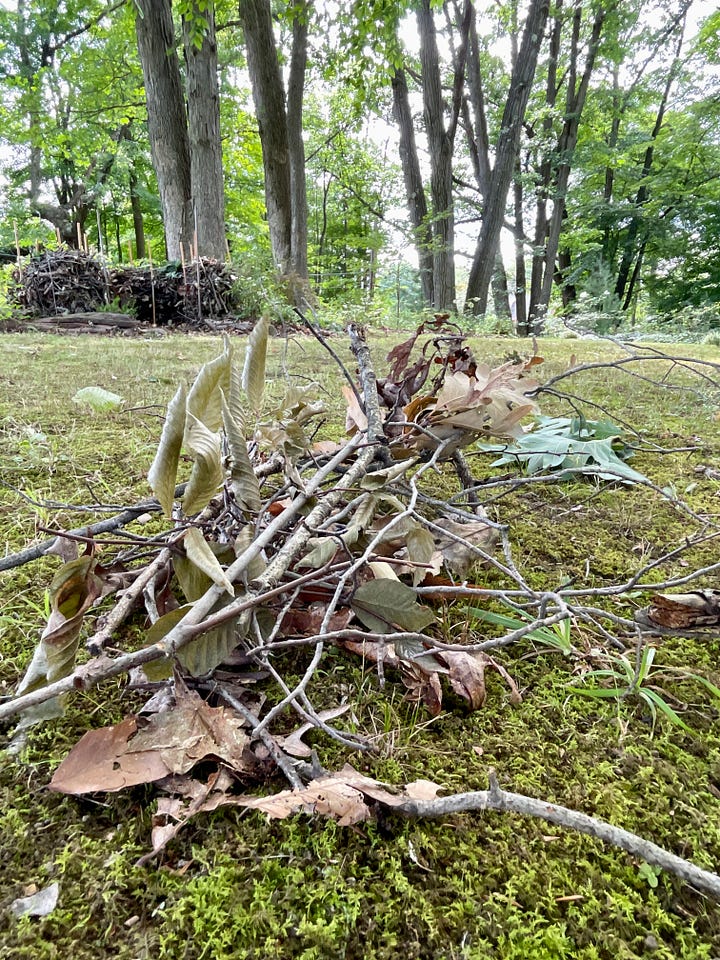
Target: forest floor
236	885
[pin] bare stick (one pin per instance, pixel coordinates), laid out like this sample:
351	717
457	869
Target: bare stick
497	799
122	609
103	526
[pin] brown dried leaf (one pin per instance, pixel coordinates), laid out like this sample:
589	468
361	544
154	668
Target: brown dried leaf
457	555
355	418
467	676
112	758
422	687
293	743
697	609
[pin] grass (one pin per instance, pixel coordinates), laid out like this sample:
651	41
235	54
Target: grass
471	886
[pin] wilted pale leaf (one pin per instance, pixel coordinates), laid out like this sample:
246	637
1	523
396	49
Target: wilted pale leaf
244	482
322	550
204	401
207	473
385	606
198	551
459	547
73	590
253	375
201	655
163	472
102	401
294	744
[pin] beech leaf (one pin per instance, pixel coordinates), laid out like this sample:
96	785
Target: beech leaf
388	605
163	472
244	482
198	551
253	375
204	401
207	473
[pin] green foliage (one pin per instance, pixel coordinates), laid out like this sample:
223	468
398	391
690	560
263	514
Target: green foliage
564	444
622	679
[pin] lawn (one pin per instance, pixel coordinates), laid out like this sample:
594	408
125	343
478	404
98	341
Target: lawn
237	885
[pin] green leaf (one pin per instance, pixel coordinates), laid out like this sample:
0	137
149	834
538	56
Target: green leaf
163	472
253	375
102	401
198	552
388	605
207	473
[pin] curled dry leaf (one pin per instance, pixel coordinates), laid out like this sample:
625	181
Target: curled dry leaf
342	796
112	758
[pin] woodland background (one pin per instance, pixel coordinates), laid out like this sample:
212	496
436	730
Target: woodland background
510	160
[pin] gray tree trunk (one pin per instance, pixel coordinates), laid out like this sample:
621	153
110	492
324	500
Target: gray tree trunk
566	148
296	147
203	104
281	138
521	81
414	189
440	145
167	123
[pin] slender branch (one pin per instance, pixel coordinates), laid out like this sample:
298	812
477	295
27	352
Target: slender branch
497	799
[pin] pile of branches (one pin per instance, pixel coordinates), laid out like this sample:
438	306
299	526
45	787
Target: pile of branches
63	281
60	281
176	294
278	548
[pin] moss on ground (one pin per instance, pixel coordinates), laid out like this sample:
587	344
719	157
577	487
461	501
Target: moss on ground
234	885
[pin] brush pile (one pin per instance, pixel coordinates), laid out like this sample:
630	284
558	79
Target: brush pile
58	282
61	282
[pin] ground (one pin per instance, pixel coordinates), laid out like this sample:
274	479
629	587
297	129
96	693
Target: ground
235	885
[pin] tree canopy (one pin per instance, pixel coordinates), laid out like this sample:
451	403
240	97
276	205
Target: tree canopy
327	142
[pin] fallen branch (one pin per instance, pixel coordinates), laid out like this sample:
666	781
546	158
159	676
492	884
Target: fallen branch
102	526
497	799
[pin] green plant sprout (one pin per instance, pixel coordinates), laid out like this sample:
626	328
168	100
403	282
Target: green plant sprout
630	679
557	635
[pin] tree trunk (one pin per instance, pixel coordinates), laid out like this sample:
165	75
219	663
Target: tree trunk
508	142
269	99
440	146
565	150
414	190
296	147
203	103
138	222
631	248
501	300
521	319
546	166
167	124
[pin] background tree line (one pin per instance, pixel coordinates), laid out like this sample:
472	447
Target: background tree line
321	141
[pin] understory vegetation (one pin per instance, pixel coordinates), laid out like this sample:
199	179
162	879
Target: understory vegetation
236	884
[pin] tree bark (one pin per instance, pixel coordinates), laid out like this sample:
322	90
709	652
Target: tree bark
414	189
138	221
565	150
203	102
296	146
521	81
269	99
440	146
167	122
